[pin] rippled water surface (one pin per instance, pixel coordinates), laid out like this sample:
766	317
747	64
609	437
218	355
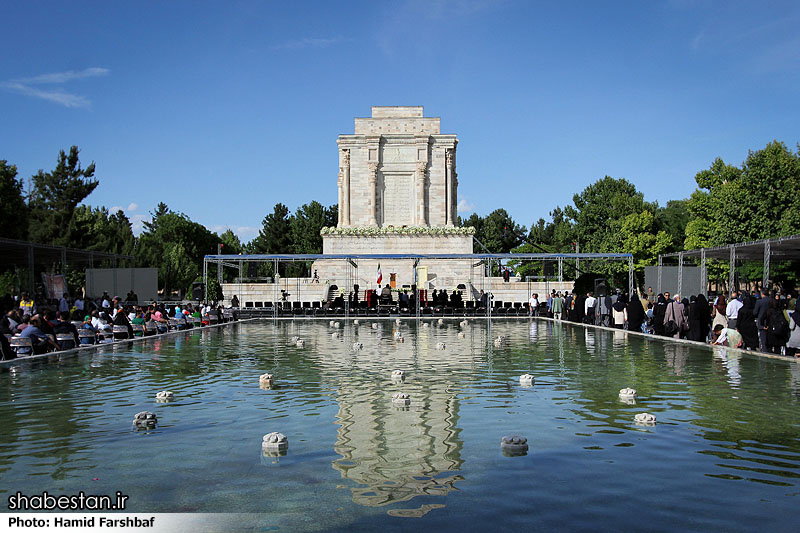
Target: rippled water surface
724	455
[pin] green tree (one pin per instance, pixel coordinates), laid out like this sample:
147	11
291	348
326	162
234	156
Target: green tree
175	245
757	201
640	238
55	196
274	237
230	243
500	233
95	229
13	210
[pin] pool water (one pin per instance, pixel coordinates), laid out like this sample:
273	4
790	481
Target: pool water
724	455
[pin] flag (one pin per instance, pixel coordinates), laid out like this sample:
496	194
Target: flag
380	275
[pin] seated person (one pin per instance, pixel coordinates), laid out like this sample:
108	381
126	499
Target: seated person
121	319
64	326
139	319
41	342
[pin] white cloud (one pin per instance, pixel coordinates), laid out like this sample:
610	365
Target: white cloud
133	206
137	223
27	86
308	42
245	233
465	207
63	77
55	96
114	209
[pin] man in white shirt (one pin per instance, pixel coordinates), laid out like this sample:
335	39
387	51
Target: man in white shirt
588	308
732	311
533	304
63	304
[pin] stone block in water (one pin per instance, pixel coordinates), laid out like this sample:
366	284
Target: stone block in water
514	445
462	335
331	323
335	335
440	346
358	346
300	343
274	444
336	325
145	420
527	379
627	393
355	322
645	419
401	399
440	321
398	375
165	396
266	379
374	325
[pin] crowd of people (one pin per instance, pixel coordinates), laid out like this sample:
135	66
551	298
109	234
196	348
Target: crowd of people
760	321
70	323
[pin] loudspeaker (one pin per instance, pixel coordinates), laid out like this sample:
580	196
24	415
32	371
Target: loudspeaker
252	270
548	268
197	291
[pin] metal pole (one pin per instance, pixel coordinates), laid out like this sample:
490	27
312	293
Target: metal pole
630	278
703	272
205	280
275	302
560	270
680	273
660	268
732	272
767	253
30	272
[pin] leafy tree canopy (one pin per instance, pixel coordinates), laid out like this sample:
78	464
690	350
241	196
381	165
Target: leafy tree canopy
13	210
55	196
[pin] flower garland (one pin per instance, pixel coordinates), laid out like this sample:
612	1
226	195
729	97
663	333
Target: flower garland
374	231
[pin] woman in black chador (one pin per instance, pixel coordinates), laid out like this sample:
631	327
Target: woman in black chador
699	319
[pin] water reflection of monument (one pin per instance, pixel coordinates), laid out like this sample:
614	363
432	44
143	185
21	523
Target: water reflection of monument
396	454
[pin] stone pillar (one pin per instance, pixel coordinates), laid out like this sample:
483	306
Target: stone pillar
340	186
422	218
455	197
346	187
448	204
373	187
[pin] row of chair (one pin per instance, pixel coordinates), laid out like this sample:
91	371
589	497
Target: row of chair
23	346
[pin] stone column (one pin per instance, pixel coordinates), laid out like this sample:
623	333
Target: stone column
340	184
454	204
346	187
422	218
448	204
373	187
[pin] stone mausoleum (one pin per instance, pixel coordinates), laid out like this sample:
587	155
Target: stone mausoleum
398	194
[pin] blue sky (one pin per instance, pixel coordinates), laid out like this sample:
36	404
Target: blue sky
222	109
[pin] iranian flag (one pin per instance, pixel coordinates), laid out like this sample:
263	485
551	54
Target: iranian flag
380	275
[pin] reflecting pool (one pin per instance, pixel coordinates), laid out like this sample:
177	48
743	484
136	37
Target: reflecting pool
724	454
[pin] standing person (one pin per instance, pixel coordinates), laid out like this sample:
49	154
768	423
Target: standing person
235	300
676	313
63	304
620	312
732	310
26	305
580	307
533	305
557	306
760	311
793	346
699	319
746	324
777	327
651	297
588	308
636	315
602	311
719	313
659	310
